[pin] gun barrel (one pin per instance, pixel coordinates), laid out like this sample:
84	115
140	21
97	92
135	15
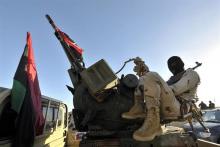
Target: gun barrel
51	22
70	55
197	65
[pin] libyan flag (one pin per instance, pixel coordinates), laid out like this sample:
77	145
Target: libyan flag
26	99
71	49
71	43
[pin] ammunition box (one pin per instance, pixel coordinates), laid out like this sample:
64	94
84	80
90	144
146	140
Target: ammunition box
99	77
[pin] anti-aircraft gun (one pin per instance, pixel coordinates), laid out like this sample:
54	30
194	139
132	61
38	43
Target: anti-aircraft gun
99	96
99	99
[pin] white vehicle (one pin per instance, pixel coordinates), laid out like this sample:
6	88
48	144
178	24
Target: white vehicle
56	122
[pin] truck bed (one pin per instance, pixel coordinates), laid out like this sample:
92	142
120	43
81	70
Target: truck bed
165	140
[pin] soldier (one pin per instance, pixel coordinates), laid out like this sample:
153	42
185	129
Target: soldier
202	105
211	105
160	97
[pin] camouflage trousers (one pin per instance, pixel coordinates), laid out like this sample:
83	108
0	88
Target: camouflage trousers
153	86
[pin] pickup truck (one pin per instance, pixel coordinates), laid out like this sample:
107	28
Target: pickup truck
55	130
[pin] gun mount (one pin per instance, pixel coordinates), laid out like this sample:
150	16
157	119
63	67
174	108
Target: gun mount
99	96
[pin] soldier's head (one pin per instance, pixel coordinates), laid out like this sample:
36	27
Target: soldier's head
175	64
140	67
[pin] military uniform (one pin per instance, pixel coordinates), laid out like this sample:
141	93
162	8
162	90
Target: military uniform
160	99
155	86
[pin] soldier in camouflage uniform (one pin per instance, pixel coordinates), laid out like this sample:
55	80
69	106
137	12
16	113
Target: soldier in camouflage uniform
160	97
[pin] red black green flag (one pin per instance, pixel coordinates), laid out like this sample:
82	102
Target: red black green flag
72	50
71	43
26	99
34	87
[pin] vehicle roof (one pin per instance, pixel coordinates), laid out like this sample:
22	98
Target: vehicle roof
214	109
51	99
43	96
3	89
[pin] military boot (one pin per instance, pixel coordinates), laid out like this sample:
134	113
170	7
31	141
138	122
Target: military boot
136	111
151	126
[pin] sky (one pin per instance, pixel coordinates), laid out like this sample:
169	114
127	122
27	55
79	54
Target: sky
114	30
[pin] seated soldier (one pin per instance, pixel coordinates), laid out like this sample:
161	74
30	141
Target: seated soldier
202	105
160	97
211	105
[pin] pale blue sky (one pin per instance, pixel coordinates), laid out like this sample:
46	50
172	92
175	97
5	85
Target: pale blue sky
115	30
